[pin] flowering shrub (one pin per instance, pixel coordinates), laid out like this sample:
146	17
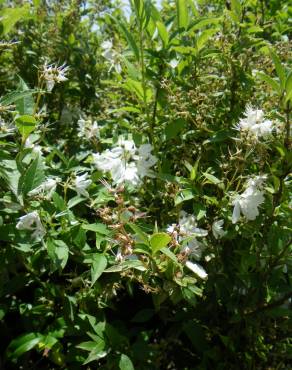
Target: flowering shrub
145	192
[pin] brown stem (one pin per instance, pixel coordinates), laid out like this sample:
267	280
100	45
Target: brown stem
270	306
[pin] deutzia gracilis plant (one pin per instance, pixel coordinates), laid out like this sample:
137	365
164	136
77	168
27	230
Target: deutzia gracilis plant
145	185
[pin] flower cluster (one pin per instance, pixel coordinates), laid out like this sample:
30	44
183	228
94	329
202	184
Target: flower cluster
248	202
111	56
53	74
47	188
217	229
32	221
254	126
81	184
126	162
185	233
87	129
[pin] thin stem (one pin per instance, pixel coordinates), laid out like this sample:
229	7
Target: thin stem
40	86
144	84
263	12
287	126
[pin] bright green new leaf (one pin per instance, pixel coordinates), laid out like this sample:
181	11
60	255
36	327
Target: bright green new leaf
26	125
204	37
182	13
162	33
10	16
288	86
159	241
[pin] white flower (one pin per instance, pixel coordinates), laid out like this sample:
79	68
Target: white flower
48	186
197	269
174	63
81	184
125	162
254	125
146	160
188	225
5	127
217	229
107	45
248	202
29	144
192	248
87	129
188	231
53	74
31	221
111	56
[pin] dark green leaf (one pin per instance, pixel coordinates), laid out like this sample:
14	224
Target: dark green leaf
125	363
33	176
98	266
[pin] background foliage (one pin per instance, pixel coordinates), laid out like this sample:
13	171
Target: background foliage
105	283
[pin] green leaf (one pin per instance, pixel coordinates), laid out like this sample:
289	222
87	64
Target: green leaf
23	344
11	175
87	346
95	354
58	252
197	25
97	228
236	9
32	177
134	74
169	254
129	37
270	81
10	16
144	315
15	96
213	179
288	86
26	125
74	201
204	37
183	195
135	87
159	241
194	170
182	13
125	363
174	128
279	68
99	264
24	104
143	237
162	33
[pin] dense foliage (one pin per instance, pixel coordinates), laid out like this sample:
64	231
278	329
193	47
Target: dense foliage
145	184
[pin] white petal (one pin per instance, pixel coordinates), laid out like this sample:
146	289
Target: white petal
197	269
236	212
